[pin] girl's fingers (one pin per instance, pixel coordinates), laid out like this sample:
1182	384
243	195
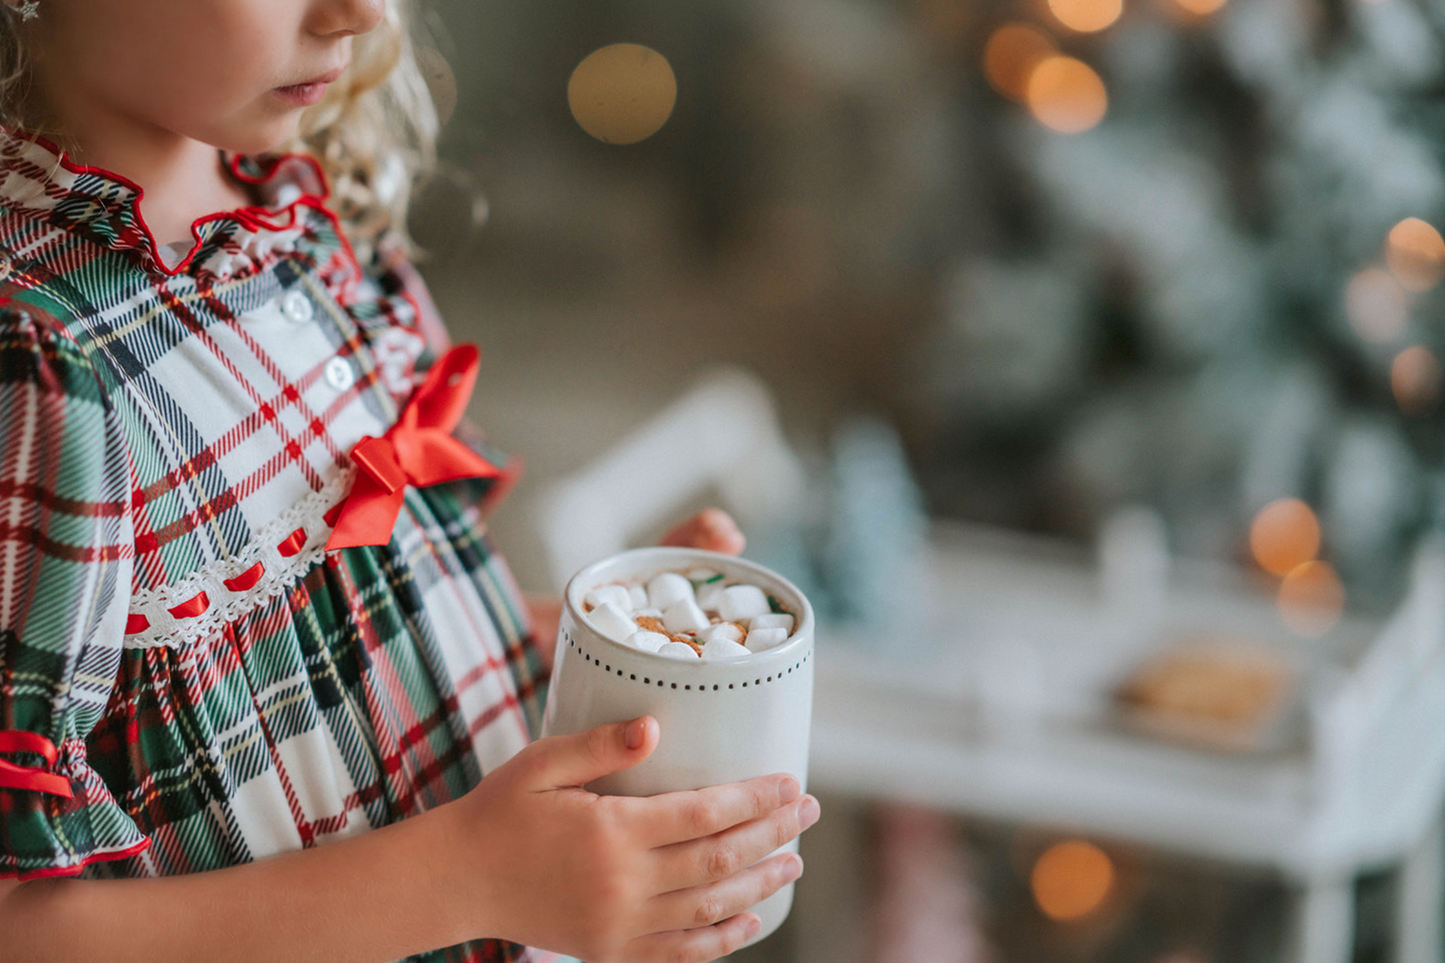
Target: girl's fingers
712	529
715	902
678	817
563	761
733	850
696	945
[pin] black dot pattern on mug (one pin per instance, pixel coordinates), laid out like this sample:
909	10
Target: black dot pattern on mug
663	683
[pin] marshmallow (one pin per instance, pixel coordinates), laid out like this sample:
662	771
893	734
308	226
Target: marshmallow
773	620
761	639
722	649
709	594
723	630
742	602
667	589
685	616
618	595
648	641
612	622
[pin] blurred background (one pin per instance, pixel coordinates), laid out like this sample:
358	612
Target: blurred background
1079	358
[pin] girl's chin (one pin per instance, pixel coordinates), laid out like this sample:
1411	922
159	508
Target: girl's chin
260	138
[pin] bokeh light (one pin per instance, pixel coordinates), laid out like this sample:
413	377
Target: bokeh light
1416	254
1086	16
1066	95
1072	879
1416	380
1200	8
1377	306
622	93
1311	599
1010	56
1284	535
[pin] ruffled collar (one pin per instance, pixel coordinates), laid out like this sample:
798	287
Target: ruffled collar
38	181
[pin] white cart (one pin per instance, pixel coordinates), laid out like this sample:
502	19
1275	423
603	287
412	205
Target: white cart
998	706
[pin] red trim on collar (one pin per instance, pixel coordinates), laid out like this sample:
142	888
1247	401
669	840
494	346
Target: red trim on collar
252	217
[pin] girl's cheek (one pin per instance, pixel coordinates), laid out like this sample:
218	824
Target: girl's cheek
170	57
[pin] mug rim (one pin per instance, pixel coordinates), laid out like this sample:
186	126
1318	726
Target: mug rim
801	635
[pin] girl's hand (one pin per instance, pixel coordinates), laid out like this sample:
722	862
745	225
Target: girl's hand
619	878
712	529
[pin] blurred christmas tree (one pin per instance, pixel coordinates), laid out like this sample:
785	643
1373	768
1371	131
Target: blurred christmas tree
1200	273
1174	252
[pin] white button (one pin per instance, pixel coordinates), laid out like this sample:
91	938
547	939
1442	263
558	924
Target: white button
339	374
298	307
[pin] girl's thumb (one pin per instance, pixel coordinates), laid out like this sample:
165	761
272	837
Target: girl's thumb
579	759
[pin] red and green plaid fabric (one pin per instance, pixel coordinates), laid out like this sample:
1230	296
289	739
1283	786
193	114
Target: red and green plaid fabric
173	437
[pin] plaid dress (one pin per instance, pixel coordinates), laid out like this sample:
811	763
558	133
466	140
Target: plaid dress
188	679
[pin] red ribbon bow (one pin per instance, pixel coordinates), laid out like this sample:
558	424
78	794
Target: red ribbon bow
13	776
418	450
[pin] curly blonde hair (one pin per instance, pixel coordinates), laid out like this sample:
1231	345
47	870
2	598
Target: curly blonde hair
375	132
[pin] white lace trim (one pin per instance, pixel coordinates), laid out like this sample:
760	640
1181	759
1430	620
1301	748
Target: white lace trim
279	572
252	247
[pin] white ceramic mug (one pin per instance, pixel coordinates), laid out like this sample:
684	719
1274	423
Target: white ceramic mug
721	721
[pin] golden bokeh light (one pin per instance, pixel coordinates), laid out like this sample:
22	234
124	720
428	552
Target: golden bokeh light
1377	306
1086	16
622	93
1200	8
1416	380
1010	56
1415	252
1072	879
1311	599
1066	95
1284	535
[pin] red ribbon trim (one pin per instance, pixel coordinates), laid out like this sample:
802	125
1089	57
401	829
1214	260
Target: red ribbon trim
192	607
13	776
18	740
247	579
136	623
293	544
418	450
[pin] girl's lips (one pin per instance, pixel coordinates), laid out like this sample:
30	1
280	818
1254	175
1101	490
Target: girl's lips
302	94
311	91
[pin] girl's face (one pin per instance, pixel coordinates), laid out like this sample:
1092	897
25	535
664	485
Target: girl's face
235	74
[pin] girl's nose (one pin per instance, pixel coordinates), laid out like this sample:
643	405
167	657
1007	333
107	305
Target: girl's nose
347	17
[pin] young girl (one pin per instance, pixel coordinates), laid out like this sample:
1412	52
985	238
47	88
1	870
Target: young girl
256	653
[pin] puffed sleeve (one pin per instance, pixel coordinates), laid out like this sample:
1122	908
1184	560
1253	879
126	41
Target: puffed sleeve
66	558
